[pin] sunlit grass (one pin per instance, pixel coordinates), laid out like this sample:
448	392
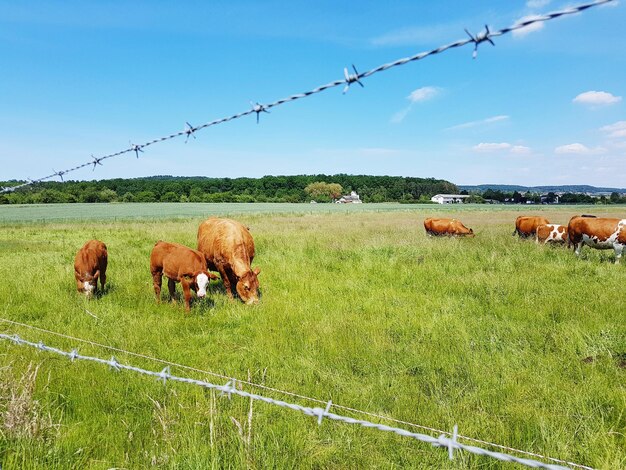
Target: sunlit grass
516	343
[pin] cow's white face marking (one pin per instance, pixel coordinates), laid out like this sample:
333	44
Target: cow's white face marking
202	280
88	288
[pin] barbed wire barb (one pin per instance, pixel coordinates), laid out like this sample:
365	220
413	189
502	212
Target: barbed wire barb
258	109
136	148
189	131
96	161
479	38
349	79
59	174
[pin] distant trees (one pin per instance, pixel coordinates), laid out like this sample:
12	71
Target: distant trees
323	192
298	188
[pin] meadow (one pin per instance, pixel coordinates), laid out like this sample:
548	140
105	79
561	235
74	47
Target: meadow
519	344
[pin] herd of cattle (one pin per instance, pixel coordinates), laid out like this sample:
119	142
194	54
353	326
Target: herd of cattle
597	232
224	245
227	247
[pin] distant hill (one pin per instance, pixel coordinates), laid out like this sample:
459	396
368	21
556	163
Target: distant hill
569	188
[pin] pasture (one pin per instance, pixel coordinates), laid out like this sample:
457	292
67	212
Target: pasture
518	344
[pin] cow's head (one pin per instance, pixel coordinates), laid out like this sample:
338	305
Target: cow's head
86	282
248	287
199	282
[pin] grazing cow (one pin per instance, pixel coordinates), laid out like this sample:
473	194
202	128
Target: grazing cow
598	232
229	249
552	233
179	264
90	264
449	227
526	226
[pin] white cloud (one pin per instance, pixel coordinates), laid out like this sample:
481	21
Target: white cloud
597	98
518	33
615	131
578	149
537	3
417	96
500	147
520	150
423	94
491	146
480	122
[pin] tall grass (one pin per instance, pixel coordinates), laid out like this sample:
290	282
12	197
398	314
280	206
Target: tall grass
516	343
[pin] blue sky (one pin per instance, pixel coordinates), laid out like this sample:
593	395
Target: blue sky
543	107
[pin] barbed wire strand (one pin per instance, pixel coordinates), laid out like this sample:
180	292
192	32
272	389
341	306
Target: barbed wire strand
349	79
319	413
295	395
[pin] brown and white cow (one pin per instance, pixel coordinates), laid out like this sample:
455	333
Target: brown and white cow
449	227
229	248
598	232
179	264
551	233
90	264
526	226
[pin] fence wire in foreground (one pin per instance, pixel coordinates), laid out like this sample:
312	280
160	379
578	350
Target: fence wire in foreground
295	395
347	81
230	388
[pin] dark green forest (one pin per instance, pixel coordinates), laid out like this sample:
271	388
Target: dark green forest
202	189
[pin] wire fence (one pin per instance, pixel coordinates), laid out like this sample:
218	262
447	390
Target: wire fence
349	79
298	396
230	388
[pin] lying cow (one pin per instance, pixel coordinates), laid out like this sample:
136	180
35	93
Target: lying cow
449	227
90	264
551	233
229	248
598	232
526	226
179	264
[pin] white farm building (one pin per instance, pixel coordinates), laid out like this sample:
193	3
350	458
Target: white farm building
449	198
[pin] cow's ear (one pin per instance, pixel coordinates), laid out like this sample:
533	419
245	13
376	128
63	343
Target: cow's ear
211	275
96	275
256	271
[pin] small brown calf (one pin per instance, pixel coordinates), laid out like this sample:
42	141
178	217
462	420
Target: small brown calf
90	264
179	264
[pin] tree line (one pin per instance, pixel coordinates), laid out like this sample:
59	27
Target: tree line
204	189
515	197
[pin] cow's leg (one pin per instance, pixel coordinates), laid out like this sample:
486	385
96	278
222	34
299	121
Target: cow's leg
225	281
618	252
186	294
577	247
103	279
156	280
171	285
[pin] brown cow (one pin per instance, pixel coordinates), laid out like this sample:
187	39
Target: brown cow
552	233
526	226
600	233
90	264
179	264
229	249
450	227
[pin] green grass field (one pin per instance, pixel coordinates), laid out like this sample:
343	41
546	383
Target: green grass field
518	344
